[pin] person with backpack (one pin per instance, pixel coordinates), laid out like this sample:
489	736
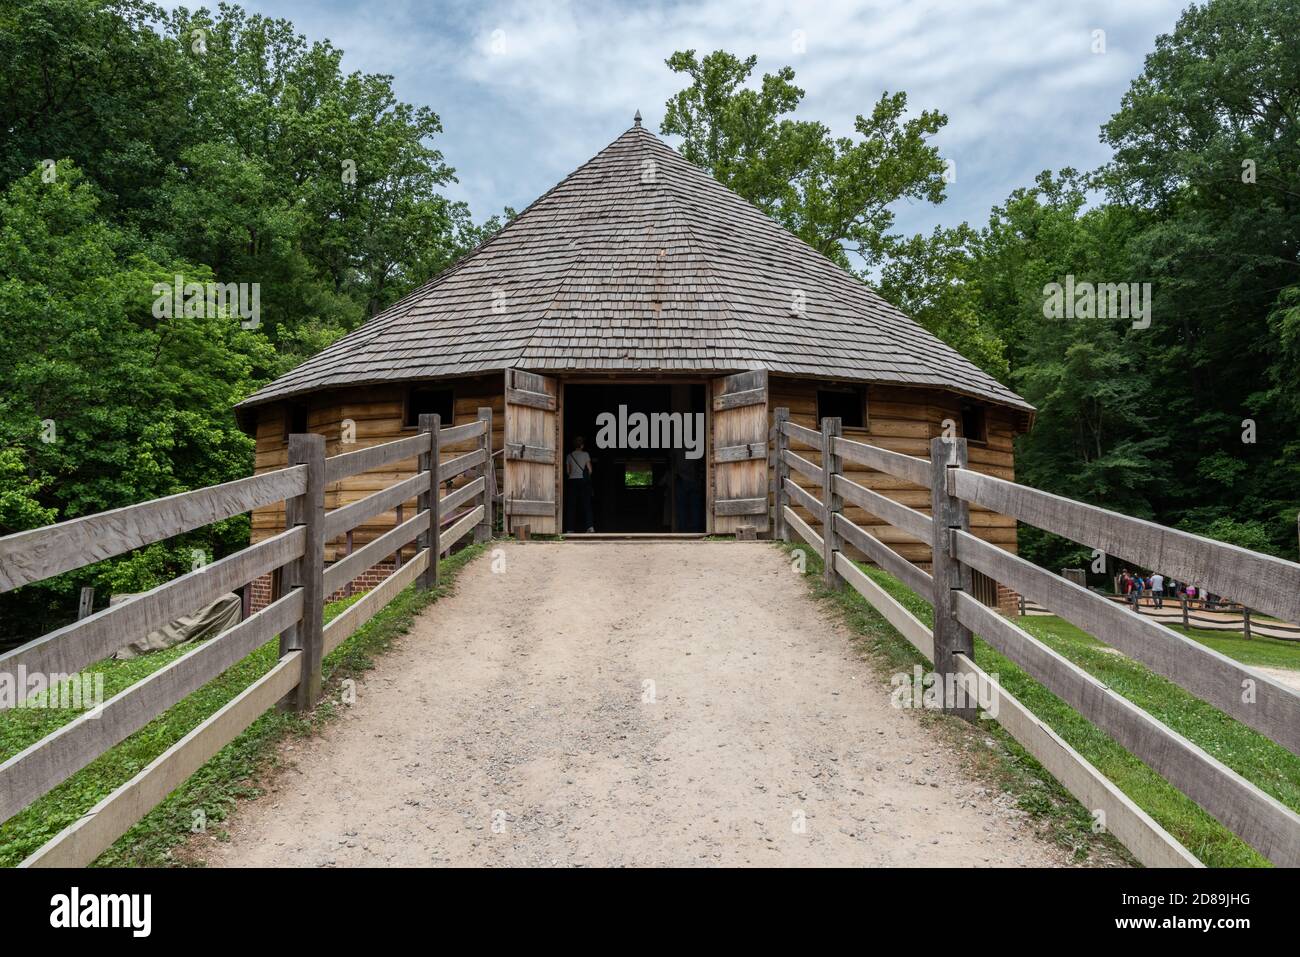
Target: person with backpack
577	492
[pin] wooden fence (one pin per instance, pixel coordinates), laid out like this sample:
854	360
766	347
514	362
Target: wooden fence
1268	584
296	614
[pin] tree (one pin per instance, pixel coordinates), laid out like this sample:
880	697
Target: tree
101	403
834	193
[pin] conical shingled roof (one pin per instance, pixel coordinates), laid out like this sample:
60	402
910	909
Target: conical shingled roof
639	261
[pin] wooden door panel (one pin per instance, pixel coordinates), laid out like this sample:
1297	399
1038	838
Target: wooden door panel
531	456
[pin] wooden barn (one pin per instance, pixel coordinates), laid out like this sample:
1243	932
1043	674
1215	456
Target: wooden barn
639	284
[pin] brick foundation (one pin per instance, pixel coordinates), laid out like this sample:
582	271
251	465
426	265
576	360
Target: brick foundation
367	580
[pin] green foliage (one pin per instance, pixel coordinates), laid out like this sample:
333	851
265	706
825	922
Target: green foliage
219	146
834	193
1202	200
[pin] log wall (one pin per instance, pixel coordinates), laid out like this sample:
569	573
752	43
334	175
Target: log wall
905	420
378	414
898	418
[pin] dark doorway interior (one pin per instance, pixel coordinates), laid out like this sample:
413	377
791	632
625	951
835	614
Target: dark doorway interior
636	489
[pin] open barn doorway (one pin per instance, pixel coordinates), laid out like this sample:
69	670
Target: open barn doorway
648	451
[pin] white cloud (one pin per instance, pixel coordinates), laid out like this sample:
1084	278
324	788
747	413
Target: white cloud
1018	80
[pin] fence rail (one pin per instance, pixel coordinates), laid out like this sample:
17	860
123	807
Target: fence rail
296	615
1260	581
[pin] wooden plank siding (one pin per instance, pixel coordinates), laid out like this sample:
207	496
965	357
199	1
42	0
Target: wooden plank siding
902	420
377	412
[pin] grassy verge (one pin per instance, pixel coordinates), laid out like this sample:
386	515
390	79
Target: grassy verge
1271	767
212	792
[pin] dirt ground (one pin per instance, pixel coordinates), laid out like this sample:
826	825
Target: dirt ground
517	725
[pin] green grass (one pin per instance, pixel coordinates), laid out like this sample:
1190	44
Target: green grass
1272	768
232	774
1266	652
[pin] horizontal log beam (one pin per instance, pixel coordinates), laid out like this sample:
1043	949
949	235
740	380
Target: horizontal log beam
344	519
807	436
739	400
1257	818
906	467
1274	709
519	452
95	831
463	526
461	464
56	757
348	568
41	553
905	519
72	647
1150	843
740	506
740	453
461	433
524	506
460	496
802	465
884	556
803	530
801	496
533	400
355	615
376	456
1262	582
907	624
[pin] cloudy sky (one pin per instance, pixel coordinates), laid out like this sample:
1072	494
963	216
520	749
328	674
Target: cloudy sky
528	89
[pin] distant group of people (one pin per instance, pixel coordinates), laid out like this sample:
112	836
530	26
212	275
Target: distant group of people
1134	586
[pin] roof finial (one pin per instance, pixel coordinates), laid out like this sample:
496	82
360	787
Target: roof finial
636	120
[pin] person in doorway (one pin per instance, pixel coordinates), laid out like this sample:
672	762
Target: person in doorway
577	499
1158	589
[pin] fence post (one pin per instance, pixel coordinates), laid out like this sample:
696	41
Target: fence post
431	500
1245	620
86	605
483	530
949	512
832	465
780	442
307	572
1182	600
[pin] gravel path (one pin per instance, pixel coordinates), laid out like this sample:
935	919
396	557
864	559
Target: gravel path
514	726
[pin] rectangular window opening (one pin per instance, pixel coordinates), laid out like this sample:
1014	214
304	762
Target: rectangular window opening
423	400
974	423
848	405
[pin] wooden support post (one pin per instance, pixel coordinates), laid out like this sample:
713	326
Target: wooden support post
1183	601
832	465
949	512
87	603
397	555
1245	621
431	500
347	550
780	442
483	531
307	573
